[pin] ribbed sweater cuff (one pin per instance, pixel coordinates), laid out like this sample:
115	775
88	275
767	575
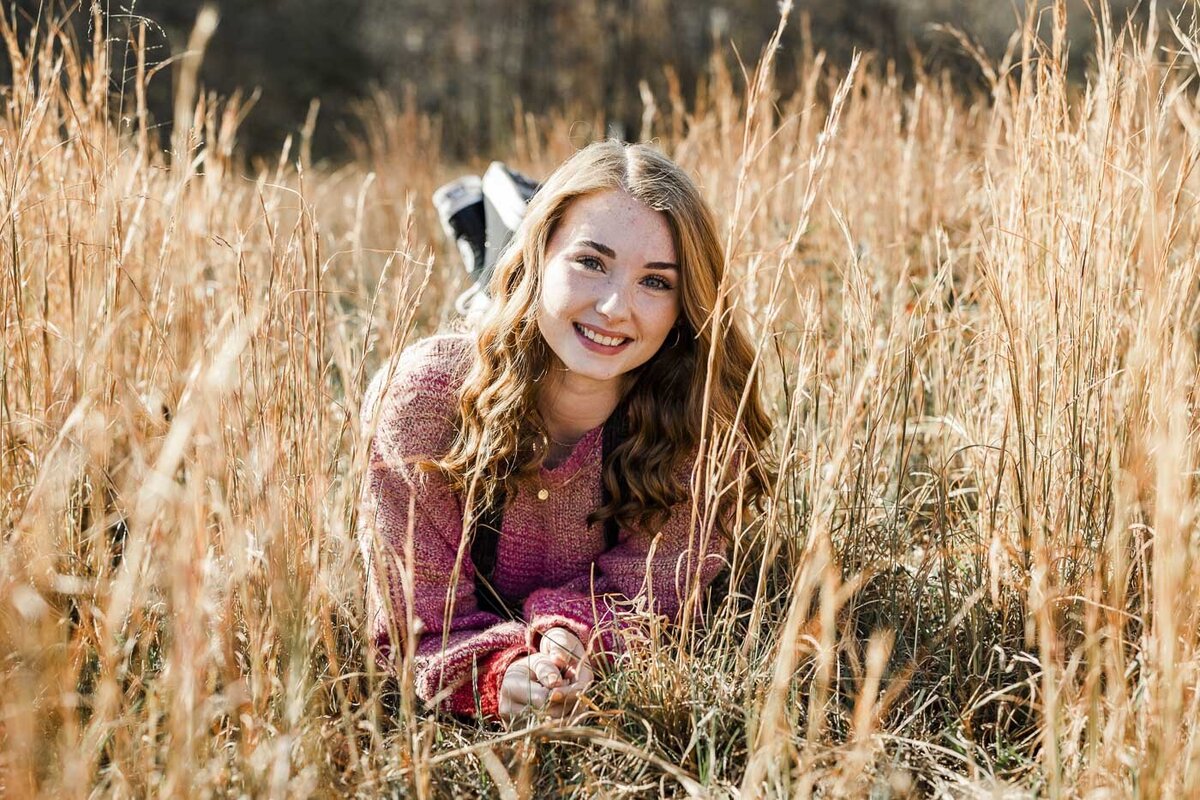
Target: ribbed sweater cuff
457	665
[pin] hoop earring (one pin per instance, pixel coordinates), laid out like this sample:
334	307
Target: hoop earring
678	337
539	352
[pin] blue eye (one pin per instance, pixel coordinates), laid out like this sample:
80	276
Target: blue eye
658	282
590	262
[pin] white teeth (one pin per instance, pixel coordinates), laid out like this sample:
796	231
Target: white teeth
608	341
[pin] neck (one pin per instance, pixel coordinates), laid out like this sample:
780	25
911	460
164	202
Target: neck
572	405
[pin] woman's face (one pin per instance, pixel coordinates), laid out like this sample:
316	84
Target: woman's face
610	285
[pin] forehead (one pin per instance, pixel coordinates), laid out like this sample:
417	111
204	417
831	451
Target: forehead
618	220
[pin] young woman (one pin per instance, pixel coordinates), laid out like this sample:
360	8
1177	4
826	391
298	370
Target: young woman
529	480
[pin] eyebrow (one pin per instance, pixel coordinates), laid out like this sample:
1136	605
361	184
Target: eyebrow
605	250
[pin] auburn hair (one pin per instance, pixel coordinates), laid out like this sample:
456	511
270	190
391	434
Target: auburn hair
500	432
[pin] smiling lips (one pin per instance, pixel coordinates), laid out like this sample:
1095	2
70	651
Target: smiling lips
609	343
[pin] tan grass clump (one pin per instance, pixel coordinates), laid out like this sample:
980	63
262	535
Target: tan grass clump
978	319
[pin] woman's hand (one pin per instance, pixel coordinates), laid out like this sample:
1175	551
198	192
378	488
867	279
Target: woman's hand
535	683
551	680
570	657
564	647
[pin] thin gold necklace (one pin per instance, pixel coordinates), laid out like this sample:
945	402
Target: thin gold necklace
543	492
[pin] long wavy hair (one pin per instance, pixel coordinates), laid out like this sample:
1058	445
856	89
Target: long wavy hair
501	434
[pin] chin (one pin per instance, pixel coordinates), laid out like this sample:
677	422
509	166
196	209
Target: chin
590	371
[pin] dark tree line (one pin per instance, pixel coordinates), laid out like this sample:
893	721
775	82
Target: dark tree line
468	60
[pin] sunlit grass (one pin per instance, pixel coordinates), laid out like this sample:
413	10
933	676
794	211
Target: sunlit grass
977	319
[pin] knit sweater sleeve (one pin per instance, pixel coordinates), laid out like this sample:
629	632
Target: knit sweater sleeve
658	568
411	539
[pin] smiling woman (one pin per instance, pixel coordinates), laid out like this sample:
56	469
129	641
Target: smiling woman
528	480
594	301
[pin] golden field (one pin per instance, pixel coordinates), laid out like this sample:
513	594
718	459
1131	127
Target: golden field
977	317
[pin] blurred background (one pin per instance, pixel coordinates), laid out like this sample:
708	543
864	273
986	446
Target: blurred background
466	62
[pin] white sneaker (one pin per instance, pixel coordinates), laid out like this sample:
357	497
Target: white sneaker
459	205
506	194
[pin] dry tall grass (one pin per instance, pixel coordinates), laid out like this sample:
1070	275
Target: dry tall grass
978	317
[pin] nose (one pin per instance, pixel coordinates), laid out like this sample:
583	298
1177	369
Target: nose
613	301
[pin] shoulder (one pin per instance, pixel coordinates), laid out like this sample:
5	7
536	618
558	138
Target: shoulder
420	382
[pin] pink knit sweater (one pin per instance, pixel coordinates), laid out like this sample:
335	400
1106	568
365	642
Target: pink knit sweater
545	555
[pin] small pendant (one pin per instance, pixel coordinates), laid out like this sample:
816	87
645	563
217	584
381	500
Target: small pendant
543	494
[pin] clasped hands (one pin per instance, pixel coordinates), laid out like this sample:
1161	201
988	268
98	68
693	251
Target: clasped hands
551	680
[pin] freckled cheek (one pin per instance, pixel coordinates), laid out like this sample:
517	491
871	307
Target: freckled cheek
658	313
561	296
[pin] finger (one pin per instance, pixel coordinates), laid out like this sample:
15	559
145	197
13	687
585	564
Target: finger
568	665
583	673
545	670
579	673
563	694
536	668
569	691
563	663
525	692
564	647
561	643
513	712
565	712
510	709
